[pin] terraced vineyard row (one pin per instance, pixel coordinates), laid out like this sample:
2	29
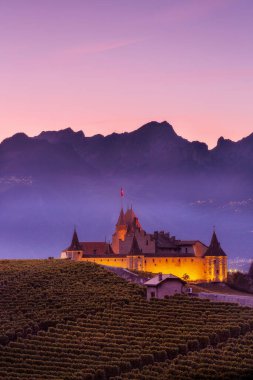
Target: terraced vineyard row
99	326
232	360
36	294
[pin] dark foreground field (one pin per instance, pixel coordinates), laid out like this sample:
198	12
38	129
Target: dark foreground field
62	320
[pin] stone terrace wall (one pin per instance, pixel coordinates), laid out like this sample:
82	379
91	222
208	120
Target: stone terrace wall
218	297
127	275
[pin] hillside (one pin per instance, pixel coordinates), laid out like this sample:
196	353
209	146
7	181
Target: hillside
59	179
152	146
76	321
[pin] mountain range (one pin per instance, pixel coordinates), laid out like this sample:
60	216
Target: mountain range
50	182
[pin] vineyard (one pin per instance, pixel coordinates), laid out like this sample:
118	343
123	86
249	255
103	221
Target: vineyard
65	320
231	360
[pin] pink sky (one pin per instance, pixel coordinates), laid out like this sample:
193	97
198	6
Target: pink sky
110	65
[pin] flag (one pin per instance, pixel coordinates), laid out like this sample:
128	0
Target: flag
121	192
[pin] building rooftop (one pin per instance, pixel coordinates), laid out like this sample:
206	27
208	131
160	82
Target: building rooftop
92	247
215	249
158	279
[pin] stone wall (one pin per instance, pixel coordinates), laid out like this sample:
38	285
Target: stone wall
217	297
146	244
114	262
194	267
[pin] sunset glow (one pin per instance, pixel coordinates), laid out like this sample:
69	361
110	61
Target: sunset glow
106	66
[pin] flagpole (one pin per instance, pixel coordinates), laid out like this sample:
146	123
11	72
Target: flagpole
121	197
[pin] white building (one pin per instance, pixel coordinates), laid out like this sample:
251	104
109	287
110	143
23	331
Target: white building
164	285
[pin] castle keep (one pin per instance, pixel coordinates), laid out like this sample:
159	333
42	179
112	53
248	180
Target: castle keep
135	249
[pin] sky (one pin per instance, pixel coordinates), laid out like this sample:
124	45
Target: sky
113	65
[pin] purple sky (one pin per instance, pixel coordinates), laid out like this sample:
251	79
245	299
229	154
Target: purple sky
105	66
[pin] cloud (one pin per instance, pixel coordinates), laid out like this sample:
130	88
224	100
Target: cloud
100	47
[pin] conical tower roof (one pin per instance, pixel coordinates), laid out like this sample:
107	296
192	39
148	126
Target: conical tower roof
130	215
135	249
109	250
214	248
121	220
75	245
131	220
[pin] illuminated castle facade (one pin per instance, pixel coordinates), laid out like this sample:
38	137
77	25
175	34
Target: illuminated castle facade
135	249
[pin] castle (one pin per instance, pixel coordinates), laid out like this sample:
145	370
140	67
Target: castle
134	249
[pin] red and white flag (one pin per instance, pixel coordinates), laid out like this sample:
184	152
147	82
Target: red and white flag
121	192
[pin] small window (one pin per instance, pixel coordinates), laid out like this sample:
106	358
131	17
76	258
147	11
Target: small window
217	271
146	242
186	250
152	294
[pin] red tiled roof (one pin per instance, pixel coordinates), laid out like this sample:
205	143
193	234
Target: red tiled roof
94	247
98	248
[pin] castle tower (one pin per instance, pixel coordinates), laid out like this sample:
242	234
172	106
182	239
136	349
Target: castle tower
135	249
132	221
120	231
75	250
216	261
75	245
135	257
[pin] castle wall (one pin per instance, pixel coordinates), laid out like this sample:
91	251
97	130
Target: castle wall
113	262
216	268
199	249
187	249
145	243
197	268
194	267
117	237
72	255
